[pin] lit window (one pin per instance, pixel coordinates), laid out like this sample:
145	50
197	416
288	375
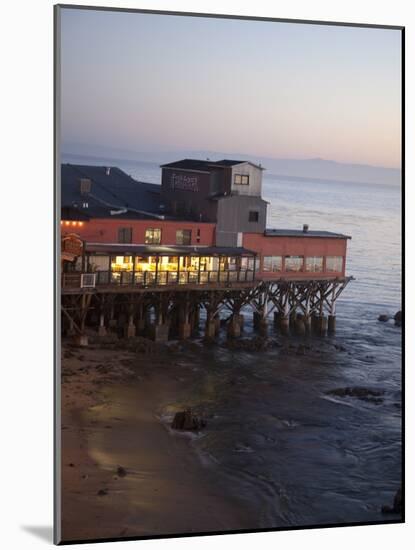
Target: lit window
152	236
253	263
294	263
253	215
272	263
184	236
314	263
241	179
334	264
121	263
125	235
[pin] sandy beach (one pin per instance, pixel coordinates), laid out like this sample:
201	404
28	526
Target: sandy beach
124	472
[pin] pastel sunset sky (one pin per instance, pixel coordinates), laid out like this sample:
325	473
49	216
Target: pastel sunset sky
144	82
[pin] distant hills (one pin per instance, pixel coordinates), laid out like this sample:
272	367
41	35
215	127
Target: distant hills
310	169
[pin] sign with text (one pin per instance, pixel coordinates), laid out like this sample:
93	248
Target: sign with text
184	182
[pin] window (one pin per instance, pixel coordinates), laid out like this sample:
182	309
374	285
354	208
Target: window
334	264
99	263
272	263
183	236
314	263
241	179
198	236
121	263
253	263
152	236
253	215
85	186
294	263
125	234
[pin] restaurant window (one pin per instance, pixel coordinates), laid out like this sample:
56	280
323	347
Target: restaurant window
272	263
125	235
142	264
168	263
152	236
253	215
253	263
294	263
184	236
334	264
232	263
121	263
99	263
314	263
241	179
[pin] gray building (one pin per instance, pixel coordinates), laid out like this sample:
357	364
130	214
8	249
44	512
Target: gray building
226	192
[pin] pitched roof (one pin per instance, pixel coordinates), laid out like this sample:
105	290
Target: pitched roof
112	190
192	164
301	233
227	162
205	165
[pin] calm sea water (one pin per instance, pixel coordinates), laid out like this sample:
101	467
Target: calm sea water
275	438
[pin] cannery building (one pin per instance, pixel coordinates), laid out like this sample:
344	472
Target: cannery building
203	227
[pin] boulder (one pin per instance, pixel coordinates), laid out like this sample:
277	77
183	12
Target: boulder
364	394
397	504
383	318
398	318
186	420
121	472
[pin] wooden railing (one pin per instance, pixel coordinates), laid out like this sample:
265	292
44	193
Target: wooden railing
153	278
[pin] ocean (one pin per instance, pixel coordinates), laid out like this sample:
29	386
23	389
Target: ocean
276	438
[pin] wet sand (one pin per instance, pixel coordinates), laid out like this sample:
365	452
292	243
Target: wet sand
111	401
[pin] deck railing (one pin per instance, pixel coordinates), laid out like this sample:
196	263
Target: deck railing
153	278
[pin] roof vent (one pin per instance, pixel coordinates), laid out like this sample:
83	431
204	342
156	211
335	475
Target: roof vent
305	228
108	170
85	186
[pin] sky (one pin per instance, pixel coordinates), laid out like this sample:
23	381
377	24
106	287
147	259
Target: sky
144	82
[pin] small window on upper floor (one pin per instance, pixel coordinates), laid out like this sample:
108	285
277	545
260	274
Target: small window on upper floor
125	235
184	236
152	236
253	216
241	179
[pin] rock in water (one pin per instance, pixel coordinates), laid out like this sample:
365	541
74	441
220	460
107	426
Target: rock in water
397	504
398	318
383	318
397	501
365	394
186	420
121	472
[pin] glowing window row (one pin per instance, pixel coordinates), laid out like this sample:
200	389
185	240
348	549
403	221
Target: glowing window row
312	264
68	223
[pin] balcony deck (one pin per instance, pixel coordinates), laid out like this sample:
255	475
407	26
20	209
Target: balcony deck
163	281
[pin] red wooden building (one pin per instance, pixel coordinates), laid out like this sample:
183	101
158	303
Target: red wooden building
155	255
205	217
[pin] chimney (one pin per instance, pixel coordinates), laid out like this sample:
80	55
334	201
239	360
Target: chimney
85	186
108	170
305	228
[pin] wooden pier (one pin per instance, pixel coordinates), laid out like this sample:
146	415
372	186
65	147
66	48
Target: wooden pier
163	311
